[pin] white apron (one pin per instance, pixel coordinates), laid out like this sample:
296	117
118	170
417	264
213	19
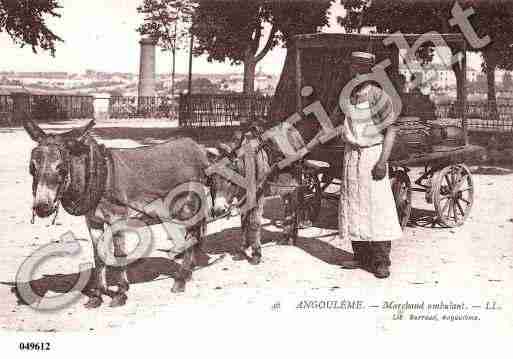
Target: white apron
367	208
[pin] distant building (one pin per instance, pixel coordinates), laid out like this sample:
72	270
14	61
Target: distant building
436	75
46	75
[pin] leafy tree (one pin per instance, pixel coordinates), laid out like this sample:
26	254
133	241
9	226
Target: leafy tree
168	21
234	30
294	18
24	22
407	16
492	18
200	85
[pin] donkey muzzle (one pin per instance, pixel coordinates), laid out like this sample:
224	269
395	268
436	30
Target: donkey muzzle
44	209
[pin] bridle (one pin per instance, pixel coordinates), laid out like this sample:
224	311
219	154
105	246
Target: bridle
81	202
237	165
65	155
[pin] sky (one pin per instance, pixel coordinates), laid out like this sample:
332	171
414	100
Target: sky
100	35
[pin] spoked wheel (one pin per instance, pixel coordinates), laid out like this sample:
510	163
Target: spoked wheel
302	206
401	188
312	198
453	194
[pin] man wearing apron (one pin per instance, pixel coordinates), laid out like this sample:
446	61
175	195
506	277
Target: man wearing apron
367	213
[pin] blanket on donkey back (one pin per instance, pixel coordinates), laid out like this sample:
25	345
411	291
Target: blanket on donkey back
137	177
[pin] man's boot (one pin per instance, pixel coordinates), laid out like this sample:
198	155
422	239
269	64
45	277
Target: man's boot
358	256
381	254
365	255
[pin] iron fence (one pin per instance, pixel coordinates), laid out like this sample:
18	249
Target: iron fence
479	116
222	110
61	107
6	109
217	110
142	107
205	110
49	107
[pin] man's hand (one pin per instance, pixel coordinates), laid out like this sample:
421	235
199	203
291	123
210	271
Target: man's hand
379	171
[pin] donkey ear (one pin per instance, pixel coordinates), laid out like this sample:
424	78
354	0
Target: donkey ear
79	134
35	132
85	130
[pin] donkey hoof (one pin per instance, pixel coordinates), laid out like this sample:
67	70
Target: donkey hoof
178	287
93	302
118	300
255	260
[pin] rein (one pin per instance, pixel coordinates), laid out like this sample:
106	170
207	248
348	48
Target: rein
118	202
81	198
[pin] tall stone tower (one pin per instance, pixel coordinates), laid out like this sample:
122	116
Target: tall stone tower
147	68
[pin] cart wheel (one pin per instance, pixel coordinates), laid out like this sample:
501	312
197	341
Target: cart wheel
453	194
401	188
312	198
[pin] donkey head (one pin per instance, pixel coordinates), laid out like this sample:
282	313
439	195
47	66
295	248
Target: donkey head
226	190
50	163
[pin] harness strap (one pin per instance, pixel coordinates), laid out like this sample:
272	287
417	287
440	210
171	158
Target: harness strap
116	201
95	182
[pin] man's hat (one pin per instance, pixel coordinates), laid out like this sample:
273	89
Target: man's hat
363	58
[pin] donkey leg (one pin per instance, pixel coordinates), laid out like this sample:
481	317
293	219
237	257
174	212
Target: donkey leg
99	281
241	252
290	223
120	297
253	233
185	273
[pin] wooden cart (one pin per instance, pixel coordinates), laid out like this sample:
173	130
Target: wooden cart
445	179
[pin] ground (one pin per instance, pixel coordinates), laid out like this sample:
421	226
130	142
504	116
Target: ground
477	257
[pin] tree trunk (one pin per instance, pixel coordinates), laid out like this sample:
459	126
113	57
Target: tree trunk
249	75
251	58
492	98
459	87
284	100
173	73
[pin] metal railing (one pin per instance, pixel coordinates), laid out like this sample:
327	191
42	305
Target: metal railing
222	110
6	109
61	107
49	107
142	107
479	117
218	110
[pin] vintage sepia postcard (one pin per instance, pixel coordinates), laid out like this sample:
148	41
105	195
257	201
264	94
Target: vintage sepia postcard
240	177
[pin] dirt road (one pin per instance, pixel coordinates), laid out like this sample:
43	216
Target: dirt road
477	256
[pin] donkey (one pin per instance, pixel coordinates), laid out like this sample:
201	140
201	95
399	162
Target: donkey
108	185
226	190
